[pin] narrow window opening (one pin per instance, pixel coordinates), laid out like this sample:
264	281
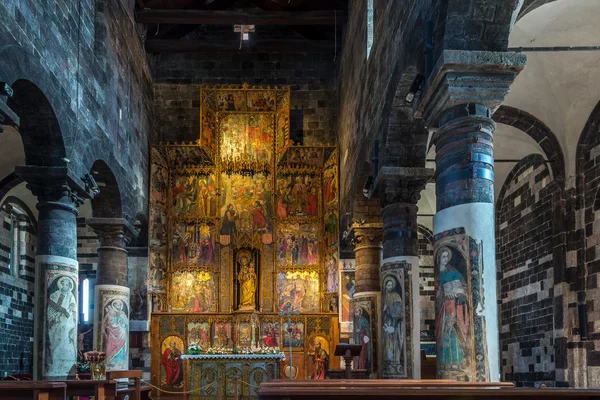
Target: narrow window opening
86	300
369	27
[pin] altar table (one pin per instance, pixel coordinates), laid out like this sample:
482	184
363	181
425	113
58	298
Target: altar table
228	376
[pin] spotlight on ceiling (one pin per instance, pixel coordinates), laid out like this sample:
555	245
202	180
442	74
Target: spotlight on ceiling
244	30
414	88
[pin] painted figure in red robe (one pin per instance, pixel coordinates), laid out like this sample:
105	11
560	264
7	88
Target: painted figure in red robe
321	360
171	360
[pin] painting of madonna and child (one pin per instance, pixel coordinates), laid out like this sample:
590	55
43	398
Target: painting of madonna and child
453	324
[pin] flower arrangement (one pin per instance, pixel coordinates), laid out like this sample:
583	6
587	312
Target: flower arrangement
193	349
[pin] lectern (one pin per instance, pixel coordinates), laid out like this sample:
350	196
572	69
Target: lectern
348	351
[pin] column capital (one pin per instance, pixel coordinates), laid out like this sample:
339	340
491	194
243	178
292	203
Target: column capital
401	185
112	232
366	234
462	77
57	185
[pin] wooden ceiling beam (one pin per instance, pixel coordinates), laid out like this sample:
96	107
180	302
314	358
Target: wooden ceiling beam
228	46
214	17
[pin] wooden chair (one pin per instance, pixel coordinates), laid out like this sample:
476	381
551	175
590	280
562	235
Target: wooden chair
137	392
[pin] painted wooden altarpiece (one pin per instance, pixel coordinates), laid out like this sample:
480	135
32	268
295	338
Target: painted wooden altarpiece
243	227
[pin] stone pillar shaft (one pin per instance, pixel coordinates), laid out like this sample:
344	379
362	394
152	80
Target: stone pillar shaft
56	269
112	311
399	272
366	300
459	97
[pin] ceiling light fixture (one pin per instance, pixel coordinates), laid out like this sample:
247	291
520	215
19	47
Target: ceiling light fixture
244	32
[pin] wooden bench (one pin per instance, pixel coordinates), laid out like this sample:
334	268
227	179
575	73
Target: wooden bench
36	390
101	390
137	392
411	390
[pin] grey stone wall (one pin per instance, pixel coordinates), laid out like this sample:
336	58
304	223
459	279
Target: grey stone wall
177	90
16	301
525	262
87	58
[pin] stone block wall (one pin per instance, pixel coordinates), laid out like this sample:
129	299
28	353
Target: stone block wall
426	289
87	58
525	265
16	296
177	90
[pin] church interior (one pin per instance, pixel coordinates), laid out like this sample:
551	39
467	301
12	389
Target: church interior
226	194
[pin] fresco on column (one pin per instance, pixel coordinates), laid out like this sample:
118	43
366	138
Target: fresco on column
460	333
246	208
396	321
346	285
365	325
61	320
112	325
193	291
298	290
172	365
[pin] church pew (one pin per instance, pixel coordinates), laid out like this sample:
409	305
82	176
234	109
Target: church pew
98	389
33	390
416	390
137	392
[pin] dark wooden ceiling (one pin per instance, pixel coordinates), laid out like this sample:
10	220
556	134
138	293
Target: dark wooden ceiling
207	25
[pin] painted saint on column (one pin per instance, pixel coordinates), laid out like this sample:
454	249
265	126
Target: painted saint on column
393	329
62	328
452	319
116	331
321	360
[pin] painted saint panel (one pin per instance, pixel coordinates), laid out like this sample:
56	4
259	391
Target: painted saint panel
331	228
208	120
247	136
194	244
295	338
244	338
269	334
282	134
61	320
194	196
330	185
298	290
221	334
331	267
193	291
365	326
171	363
460	332
157	270
246	208
297	196
112	325
199	333
318	354
159	193
346	285
262	100
297	245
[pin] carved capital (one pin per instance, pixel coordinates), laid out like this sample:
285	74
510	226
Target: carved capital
55	186
462	77
366	235
401	185
112	232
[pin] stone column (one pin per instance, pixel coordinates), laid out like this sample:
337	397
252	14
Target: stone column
111	296
400	190
459	98
59	194
367	292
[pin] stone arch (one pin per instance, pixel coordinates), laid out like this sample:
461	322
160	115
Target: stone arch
24	207
107	203
404	138
588	134
38	100
539	132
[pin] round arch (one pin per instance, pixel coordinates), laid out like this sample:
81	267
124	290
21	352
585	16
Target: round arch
107	203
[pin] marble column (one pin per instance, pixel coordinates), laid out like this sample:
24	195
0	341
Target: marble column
59	194
399	190
459	98
367	295
111	296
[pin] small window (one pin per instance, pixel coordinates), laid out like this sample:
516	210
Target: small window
369	27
